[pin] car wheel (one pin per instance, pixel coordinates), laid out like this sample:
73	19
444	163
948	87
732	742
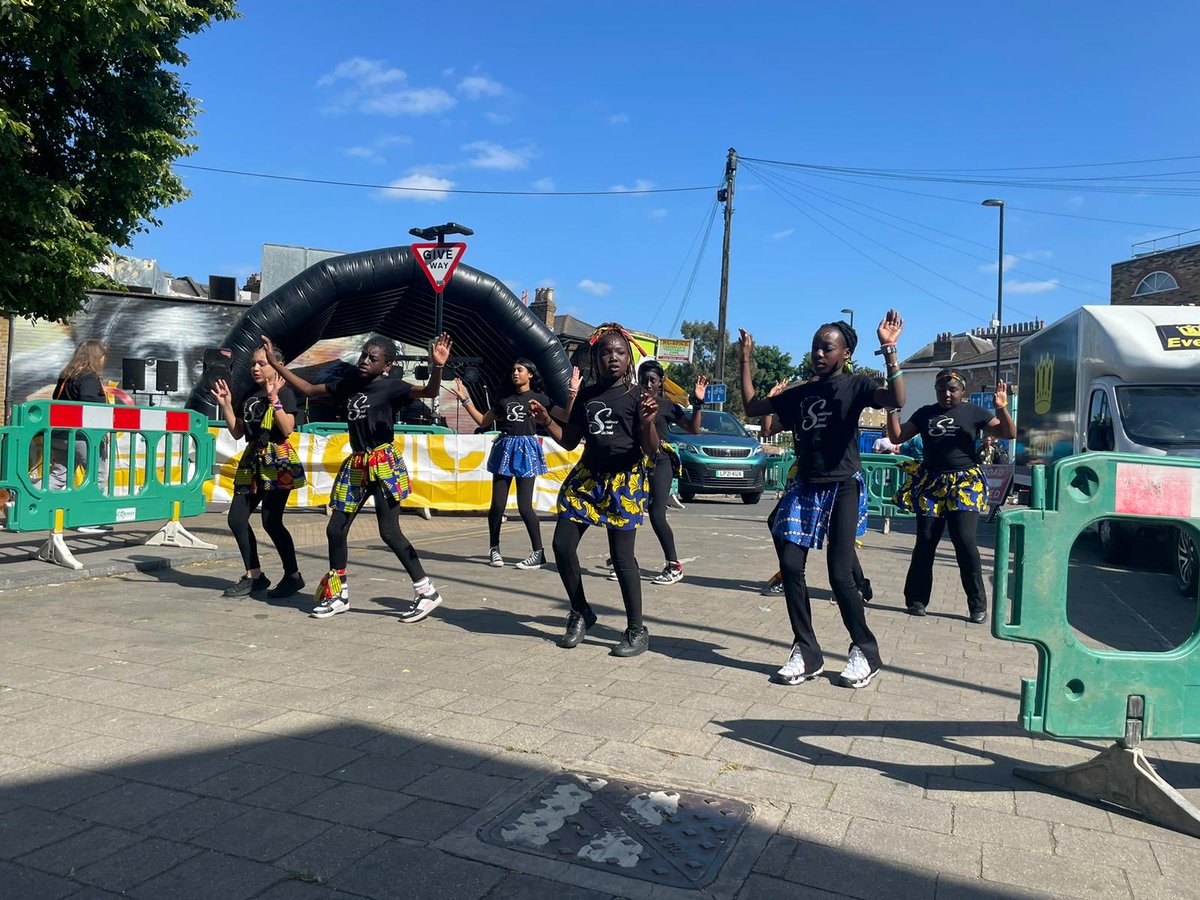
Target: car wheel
686	496
751	499
1116	543
1186	567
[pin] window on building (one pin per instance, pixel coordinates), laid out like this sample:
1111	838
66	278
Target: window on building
1155	283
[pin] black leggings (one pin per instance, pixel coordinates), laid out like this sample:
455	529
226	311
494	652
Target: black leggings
273	502
661	477
840	555
387	514
620	546
500	485
919	583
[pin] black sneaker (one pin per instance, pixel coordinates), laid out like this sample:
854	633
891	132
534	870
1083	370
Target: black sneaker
979	616
247	586
535	560
577	626
917	609
289	585
634	642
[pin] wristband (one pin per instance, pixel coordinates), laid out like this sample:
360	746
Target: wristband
277	405
886	350
1000	405
894	409
892	376
465	401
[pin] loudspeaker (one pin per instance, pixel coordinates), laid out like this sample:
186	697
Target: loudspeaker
167	376
222	287
133	374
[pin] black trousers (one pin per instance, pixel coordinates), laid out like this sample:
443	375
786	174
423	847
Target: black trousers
567	535
273	502
387	514
660	492
840	556
500	485
919	583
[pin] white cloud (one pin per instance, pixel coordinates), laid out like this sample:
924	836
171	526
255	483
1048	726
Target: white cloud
544	184
598	288
373	152
546	282
618	119
659	213
493	156
1010	261
1075	202
1030	287
780	235
421	186
476	86
497	118
448	73
640	185
371	86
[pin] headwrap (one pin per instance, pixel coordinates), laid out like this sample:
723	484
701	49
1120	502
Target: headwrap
609	328
951	375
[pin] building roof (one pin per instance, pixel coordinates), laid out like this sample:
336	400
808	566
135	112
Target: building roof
566	326
962	348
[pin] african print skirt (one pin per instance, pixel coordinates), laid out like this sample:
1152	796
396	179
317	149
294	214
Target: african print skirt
352	485
616	500
802	516
937	493
517	456
668	452
274	467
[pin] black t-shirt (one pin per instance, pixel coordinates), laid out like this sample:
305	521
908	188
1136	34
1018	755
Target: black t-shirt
254	407
608	417
512	413
668	414
84	388
949	435
370	407
823	417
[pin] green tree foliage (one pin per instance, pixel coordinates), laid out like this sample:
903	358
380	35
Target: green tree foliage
92	114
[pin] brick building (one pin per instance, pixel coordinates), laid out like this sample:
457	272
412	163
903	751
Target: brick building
1162	272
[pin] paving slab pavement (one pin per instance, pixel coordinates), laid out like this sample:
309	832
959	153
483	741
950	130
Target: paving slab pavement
158	740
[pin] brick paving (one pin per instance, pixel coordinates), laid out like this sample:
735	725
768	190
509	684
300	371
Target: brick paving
157	740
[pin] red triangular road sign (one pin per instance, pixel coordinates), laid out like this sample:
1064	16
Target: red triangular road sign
438	261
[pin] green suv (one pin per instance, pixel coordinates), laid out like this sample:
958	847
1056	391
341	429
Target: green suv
722	459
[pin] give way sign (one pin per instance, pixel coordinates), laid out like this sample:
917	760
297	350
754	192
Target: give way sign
438	261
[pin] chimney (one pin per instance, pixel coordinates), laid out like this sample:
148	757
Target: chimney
543	305
943	347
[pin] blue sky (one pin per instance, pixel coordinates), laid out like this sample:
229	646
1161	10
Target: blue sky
541	96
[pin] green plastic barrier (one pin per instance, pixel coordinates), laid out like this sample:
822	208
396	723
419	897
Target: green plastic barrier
162	476
1079	691
775	475
883	475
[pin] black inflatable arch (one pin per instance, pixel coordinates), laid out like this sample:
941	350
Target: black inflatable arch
385	291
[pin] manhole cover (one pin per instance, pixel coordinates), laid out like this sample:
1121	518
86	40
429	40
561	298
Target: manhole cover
656	834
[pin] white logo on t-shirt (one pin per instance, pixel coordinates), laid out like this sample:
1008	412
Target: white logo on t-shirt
516	412
942	425
601	419
357	407
254	410
813	414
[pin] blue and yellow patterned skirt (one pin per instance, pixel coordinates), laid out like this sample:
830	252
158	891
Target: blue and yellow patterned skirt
616	500
517	456
937	493
273	467
802	516
352	485
667	451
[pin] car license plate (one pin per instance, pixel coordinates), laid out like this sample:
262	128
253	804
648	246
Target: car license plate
729	473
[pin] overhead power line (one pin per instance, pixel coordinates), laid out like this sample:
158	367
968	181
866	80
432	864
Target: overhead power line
705	227
1127	162
438	190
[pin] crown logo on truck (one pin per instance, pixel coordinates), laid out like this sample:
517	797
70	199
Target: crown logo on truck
1189	330
1043	383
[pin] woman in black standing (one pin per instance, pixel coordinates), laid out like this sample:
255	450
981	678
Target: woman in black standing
827	498
79	381
609	484
947	488
373	469
516	454
267	472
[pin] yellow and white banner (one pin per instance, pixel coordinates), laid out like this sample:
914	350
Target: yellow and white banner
447	471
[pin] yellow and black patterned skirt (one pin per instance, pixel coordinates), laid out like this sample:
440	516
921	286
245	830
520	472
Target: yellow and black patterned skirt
359	471
616	500
668	451
273	467
937	493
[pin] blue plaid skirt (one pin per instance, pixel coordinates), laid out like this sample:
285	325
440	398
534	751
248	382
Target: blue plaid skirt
517	456
802	516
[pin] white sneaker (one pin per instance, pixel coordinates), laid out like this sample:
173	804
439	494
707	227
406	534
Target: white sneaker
858	672
671	573
424	605
675	503
495	560
534	560
328	608
793	670
612	575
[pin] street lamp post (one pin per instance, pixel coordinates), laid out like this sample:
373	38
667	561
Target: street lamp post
999	283
850	313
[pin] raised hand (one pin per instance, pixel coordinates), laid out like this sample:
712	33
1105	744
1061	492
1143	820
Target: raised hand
745	344
221	392
576	379
701	388
459	391
441	349
538	413
890	328
649	409
1000	397
777	388
269	346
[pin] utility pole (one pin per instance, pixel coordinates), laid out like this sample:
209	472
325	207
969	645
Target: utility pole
725	195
